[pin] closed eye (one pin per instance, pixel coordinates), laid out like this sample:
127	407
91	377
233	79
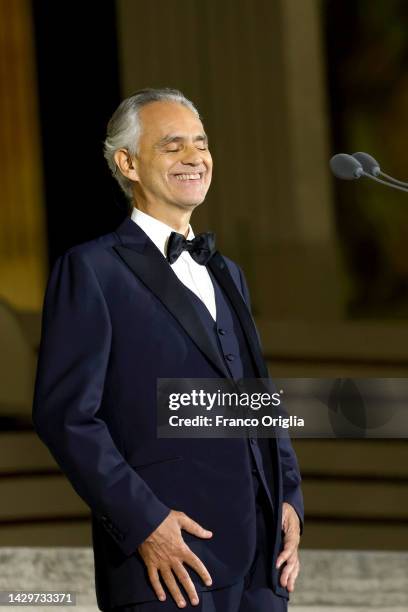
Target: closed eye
179	149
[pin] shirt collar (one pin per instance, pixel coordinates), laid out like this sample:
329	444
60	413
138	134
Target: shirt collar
157	231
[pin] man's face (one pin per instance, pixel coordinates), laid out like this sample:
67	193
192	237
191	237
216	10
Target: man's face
174	165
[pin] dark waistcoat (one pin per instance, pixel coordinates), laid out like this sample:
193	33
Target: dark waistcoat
229	339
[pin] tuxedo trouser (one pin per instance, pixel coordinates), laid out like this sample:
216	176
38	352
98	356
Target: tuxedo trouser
252	593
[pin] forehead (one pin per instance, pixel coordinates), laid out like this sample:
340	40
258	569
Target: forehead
160	119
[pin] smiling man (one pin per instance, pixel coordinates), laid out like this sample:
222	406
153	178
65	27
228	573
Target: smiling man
207	524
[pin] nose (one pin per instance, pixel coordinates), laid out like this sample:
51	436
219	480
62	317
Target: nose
192	157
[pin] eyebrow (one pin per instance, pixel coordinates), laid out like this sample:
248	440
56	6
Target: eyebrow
175	138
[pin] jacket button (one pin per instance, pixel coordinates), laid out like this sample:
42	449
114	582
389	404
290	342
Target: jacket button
252	441
222	331
230	357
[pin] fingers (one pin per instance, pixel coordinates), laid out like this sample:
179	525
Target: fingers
192	526
184	577
290	573
289	554
155	582
168	577
171	583
199	567
189	557
166	552
289	549
292	577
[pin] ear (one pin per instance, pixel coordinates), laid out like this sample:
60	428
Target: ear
126	164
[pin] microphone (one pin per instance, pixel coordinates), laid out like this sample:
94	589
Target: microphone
348	168
372	166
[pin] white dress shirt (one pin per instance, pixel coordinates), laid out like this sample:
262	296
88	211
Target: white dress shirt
193	275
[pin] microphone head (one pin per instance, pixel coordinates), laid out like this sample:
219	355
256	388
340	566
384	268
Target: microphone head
370	165
346	167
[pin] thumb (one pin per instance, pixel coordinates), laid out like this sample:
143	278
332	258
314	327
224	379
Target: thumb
193	527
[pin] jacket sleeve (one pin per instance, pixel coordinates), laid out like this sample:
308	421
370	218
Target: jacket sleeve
291	478
69	384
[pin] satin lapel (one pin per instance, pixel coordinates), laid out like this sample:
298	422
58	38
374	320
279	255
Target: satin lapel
146	261
220	270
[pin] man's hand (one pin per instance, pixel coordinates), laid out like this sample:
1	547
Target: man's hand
165	551
291	529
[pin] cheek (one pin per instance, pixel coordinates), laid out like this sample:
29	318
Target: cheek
155	177
209	164
154	167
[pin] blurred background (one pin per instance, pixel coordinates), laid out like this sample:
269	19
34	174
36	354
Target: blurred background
281	85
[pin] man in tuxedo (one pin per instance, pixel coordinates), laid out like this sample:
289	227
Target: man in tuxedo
207	524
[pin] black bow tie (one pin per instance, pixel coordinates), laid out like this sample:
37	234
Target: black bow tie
201	248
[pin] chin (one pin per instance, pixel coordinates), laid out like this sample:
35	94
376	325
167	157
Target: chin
197	202
186	203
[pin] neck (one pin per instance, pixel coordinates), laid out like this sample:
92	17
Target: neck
176	218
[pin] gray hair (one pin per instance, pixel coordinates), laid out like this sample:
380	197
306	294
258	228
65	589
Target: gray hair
124	127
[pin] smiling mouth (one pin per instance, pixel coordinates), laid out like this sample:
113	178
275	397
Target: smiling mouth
196	176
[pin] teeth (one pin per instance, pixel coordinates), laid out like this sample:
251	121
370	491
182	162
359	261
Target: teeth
187	177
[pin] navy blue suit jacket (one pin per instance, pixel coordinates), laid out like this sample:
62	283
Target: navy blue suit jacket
115	319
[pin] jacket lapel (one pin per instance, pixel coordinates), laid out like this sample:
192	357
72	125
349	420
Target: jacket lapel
148	264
